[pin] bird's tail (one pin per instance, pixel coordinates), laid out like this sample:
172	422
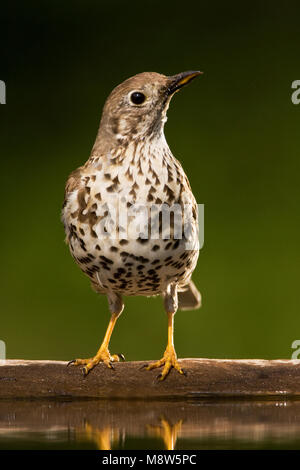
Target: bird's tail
189	298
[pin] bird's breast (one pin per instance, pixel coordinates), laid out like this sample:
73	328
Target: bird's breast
114	221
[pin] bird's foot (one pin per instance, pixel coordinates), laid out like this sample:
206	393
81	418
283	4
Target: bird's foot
168	360
103	355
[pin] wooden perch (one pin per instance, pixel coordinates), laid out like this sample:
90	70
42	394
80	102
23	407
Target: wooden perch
218	378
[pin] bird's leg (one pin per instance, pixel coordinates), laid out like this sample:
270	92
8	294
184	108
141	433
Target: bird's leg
103	354
169	358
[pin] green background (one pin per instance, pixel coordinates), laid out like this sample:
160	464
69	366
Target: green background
235	131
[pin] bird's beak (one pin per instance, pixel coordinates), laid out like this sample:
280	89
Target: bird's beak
178	81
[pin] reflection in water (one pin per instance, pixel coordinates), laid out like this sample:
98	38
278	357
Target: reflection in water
167	432
121	424
104	438
108	438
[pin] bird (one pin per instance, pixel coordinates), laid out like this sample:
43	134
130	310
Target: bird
131	184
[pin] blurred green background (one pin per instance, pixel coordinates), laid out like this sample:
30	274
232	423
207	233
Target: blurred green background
234	129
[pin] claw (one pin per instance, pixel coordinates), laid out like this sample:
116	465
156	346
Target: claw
71	362
168	361
143	366
103	355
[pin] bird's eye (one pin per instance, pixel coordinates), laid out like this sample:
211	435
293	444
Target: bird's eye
137	97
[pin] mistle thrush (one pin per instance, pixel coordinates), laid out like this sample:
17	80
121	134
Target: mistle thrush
116	203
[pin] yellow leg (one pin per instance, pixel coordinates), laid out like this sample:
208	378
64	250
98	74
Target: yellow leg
103	354
169	358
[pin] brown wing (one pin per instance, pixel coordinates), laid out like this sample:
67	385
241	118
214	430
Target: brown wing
73	182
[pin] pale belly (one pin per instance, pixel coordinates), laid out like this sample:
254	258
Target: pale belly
129	263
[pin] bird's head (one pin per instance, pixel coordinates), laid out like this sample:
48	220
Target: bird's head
136	109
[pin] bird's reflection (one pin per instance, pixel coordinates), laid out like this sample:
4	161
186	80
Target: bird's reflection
104	438
107	437
167	432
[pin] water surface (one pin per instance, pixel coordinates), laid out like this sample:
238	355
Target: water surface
120	424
